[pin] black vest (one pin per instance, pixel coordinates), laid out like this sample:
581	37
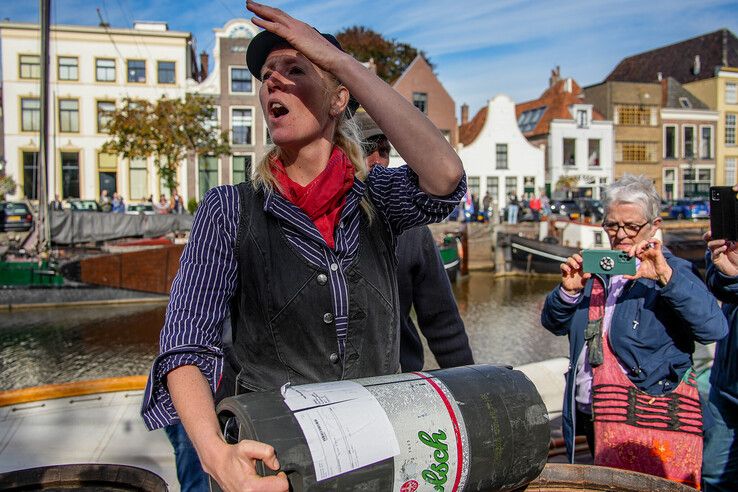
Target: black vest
281	314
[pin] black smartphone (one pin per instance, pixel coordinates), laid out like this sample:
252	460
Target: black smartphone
724	213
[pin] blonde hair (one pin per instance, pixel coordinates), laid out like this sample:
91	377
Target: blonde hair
346	137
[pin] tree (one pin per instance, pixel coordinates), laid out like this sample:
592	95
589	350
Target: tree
390	56
7	186
168	130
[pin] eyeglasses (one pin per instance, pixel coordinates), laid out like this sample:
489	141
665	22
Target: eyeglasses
631	230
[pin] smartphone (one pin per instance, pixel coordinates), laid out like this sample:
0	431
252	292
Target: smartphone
608	262
724	213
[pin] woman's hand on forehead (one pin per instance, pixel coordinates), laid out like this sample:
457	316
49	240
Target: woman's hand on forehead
300	35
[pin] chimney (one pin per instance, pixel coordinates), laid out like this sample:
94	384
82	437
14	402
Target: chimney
464	114
204	59
555	76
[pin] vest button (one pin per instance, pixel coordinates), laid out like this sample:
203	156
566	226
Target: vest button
334	266
328	318
334	357
322	279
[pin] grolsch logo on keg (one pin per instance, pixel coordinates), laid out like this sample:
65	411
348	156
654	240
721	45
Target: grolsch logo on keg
437	473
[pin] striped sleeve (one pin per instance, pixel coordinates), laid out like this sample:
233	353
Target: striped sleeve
396	194
198	303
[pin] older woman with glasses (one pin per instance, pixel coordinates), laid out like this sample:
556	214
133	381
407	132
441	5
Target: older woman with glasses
630	386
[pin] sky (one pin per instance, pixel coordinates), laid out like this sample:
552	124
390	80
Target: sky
480	48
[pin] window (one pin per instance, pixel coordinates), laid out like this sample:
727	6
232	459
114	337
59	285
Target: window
635	115
68	115
241	80
208	173
593	152
138	173
137	71
30	114
582	118
68	68
529	184
730	93
241	168
570	152
685	103
472	185
697	182
730	175
633	151
493	186
107	165
670	143
730	129
164	72
105	70
669	183
689	141
511	185
104	110
70	174
30	175
30	66
528	120
706	142
420	101
501	156
241	127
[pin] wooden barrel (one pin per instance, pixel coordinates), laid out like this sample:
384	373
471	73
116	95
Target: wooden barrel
557	477
86	477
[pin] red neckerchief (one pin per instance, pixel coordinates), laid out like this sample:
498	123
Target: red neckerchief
323	198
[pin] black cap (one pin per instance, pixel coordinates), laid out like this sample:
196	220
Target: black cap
263	43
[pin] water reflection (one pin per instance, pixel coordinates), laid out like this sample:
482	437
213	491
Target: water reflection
74	344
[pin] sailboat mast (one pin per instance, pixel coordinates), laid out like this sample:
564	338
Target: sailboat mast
44	231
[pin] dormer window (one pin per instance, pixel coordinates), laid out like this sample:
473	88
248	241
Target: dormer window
582	119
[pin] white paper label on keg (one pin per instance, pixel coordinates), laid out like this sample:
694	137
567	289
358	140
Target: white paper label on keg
430	430
319	394
344	426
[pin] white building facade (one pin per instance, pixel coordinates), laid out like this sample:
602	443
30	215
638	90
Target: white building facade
582	149
91	70
500	161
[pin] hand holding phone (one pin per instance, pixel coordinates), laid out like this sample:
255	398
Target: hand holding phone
608	262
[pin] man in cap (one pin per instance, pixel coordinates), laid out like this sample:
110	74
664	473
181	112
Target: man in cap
421	280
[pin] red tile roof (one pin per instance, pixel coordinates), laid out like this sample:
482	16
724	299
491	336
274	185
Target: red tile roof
556	99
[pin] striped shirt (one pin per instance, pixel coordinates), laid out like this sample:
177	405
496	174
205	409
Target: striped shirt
199	303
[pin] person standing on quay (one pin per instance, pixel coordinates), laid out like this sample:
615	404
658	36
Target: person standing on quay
720	398
422	282
315	247
634	335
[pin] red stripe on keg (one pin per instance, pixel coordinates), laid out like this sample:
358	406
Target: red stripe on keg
454	422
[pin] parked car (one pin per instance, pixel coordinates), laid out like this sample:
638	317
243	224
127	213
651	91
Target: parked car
566	208
591	208
140	209
79	205
691	208
665	209
15	216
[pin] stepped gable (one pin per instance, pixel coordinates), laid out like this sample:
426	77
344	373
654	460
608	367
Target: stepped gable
685	61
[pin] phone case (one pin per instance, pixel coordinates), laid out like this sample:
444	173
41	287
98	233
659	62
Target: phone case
608	262
723	213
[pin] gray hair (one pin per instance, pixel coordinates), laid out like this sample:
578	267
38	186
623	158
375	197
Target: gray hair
638	190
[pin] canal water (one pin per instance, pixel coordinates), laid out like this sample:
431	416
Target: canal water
74	344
